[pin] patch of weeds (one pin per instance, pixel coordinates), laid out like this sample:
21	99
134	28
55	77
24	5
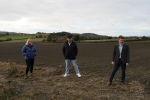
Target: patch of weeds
12	71
6	94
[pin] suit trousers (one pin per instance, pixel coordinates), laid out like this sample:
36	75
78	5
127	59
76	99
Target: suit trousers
116	67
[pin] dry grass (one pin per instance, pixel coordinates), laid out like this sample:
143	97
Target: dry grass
49	84
7	93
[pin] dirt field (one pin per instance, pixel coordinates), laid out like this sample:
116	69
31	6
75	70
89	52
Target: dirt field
94	63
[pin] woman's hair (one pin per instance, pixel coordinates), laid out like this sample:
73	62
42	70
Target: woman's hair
27	43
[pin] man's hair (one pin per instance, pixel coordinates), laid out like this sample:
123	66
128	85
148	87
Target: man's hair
121	37
69	36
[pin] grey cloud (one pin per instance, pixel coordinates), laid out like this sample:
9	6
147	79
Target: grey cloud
109	17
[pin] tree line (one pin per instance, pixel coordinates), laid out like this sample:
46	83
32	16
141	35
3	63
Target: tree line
61	36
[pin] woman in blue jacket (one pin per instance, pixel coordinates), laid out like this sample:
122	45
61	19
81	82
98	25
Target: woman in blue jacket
29	51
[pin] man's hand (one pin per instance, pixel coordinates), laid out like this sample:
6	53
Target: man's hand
127	64
112	63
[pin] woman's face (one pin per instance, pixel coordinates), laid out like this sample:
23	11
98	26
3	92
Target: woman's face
30	42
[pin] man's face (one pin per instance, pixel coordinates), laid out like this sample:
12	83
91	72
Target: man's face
69	40
121	41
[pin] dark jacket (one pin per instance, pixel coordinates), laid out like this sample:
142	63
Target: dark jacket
70	52
125	55
29	51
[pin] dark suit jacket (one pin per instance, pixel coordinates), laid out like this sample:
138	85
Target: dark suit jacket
125	55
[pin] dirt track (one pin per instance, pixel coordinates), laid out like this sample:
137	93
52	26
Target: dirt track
94	64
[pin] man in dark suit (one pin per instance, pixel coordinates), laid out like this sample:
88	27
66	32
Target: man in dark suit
121	57
70	51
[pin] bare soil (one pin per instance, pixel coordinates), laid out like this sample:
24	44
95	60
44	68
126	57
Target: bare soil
48	83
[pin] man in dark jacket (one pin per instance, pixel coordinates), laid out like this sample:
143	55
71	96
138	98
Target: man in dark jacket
121	57
70	51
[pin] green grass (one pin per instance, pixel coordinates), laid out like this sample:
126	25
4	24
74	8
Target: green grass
24	40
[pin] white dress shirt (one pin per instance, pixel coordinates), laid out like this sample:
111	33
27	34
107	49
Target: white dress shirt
120	49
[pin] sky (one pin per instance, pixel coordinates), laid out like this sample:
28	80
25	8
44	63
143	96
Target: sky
103	17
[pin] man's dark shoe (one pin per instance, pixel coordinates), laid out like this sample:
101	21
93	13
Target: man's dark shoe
109	83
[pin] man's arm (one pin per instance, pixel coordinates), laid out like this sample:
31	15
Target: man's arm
76	50
128	54
64	50
114	54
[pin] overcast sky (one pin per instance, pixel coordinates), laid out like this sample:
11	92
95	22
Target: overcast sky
104	17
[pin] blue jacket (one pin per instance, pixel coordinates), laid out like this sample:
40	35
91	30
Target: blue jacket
29	51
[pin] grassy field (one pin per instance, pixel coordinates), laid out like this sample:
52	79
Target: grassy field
18	38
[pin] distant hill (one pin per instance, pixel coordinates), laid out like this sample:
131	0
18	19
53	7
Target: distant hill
5	32
93	36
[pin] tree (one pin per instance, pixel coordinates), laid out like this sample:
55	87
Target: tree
144	37
90	38
37	37
82	38
43	40
54	40
49	38
8	39
40	36
44	36
7	33
109	37
76	37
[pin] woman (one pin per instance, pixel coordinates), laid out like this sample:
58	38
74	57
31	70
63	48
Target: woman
29	51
